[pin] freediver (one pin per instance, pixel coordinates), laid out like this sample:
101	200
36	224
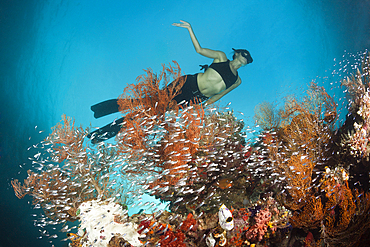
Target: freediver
218	79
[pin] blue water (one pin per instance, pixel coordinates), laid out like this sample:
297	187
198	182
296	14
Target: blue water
63	56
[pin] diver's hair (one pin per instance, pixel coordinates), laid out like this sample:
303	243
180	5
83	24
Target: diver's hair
246	54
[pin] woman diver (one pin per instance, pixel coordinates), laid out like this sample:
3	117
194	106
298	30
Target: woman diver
218	79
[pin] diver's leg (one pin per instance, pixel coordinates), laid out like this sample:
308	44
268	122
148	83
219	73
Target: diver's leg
106	132
184	93
105	108
189	92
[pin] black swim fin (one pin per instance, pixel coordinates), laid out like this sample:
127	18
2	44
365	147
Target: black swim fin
105	108
106	132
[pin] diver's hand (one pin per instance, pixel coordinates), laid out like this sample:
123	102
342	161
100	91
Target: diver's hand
183	24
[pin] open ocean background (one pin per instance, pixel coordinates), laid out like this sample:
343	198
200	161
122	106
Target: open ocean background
62	56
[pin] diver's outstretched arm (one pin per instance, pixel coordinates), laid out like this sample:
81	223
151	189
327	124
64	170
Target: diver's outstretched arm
221	56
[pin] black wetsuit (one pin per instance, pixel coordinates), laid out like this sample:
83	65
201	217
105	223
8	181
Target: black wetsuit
189	91
223	69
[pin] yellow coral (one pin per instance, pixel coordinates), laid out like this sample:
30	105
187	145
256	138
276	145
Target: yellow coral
340	207
304	132
310	216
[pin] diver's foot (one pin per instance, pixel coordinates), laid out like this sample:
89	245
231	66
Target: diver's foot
106	132
100	135
105	108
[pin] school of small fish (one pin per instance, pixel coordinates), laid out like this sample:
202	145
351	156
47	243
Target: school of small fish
192	162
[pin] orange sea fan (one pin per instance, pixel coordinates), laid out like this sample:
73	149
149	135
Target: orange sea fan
147	98
18	190
347	217
168	143
310	216
219	127
45	189
145	104
309	119
298	172
67	140
340	207
22	190
178	144
301	141
156	130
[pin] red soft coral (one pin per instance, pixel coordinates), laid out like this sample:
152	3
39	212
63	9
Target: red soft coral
258	230
173	239
189	224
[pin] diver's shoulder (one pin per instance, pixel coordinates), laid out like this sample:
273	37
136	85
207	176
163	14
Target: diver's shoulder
221	57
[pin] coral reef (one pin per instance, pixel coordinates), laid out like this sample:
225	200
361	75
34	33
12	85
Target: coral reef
316	173
302	181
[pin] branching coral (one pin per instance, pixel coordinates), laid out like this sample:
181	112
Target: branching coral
145	105
335	214
267	116
146	96
22	190
307	125
179	143
158	233
189	224
173	141
298	176
339	207
67	141
347	217
258	230
319	197
173	239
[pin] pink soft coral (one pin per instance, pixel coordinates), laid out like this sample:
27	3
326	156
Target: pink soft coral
258	230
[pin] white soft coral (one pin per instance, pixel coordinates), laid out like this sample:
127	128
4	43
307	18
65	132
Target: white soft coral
99	221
